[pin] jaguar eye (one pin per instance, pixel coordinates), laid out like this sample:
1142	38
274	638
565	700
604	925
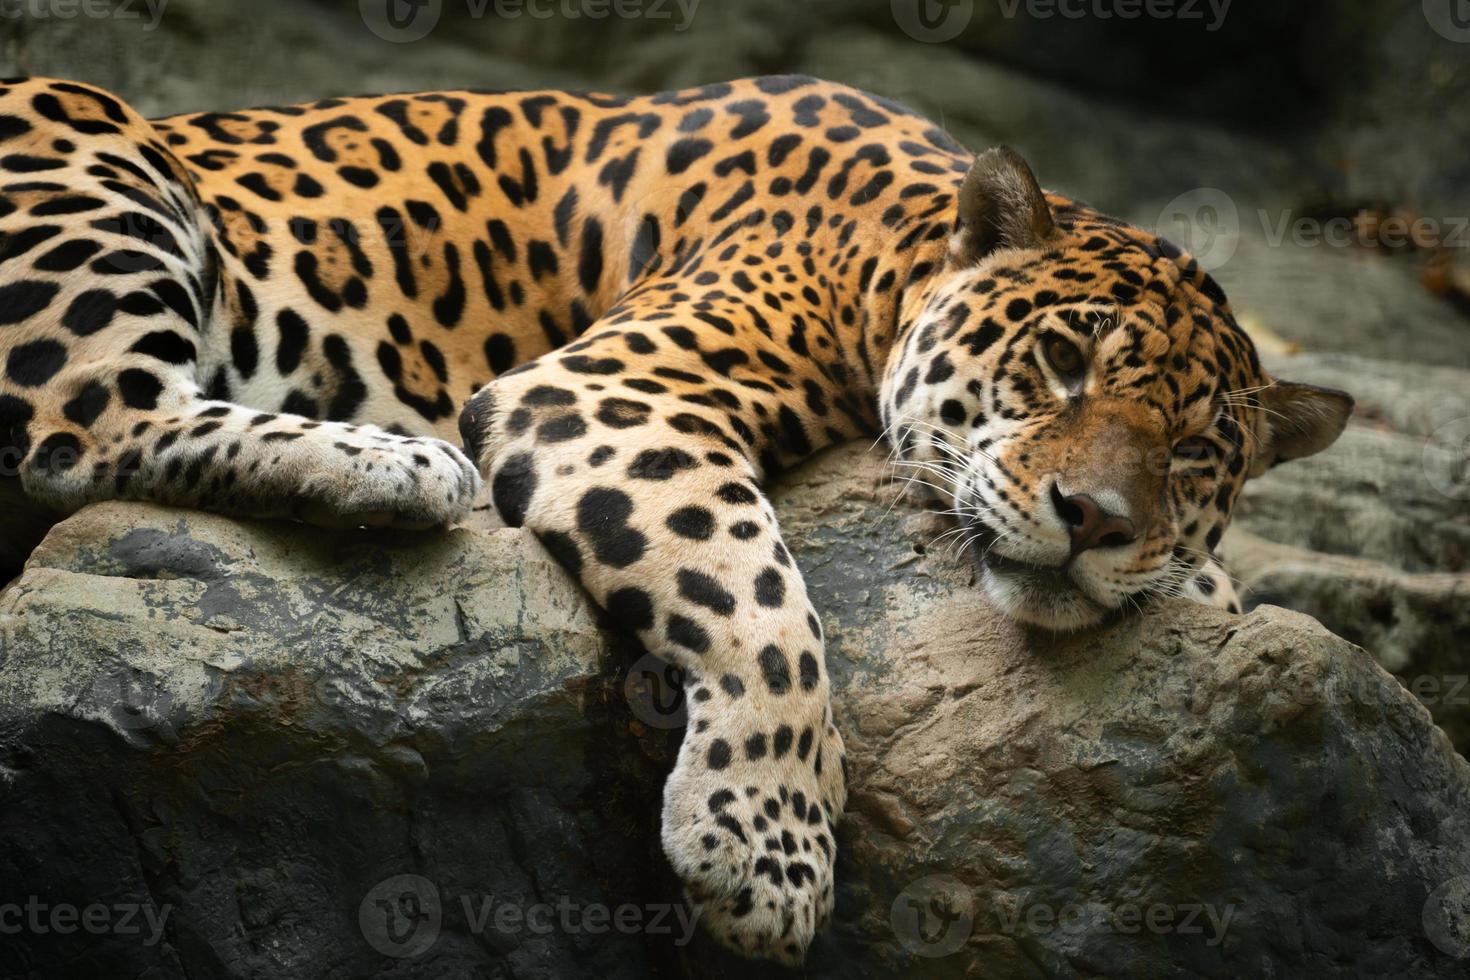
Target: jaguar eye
1195	448
1063	356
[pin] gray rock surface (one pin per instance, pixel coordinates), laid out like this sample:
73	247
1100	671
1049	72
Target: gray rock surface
1416	624
1327	299
1373	536
256	729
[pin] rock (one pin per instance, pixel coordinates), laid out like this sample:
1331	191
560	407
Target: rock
1336	298
1415	624
201	55
254	731
1373	536
253	725
1371	495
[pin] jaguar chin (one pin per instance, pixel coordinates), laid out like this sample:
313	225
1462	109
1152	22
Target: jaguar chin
1047	596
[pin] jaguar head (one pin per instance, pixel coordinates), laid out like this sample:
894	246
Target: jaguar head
1078	393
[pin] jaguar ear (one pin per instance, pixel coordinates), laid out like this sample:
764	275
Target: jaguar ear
1300	420
1001	206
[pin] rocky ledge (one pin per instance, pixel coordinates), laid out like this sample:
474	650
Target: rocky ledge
254	750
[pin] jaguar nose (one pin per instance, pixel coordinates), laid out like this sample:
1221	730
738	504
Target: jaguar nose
1088	524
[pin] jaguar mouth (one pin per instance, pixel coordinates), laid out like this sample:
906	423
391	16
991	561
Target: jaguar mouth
1041	595
984	539
1053	575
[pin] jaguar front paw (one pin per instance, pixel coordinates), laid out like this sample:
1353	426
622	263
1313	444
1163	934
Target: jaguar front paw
383	480
748	826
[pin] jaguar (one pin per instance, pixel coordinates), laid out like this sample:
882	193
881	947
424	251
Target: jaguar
625	314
